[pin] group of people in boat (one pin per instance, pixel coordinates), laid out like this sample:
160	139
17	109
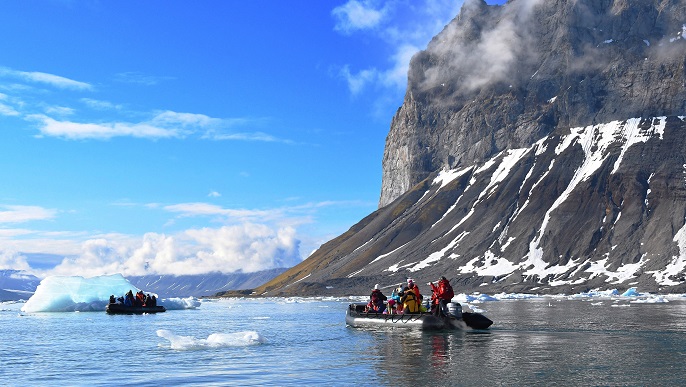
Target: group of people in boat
139	299
406	299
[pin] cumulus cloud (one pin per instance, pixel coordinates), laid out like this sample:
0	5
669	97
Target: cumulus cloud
45	78
10	260
245	240
246	247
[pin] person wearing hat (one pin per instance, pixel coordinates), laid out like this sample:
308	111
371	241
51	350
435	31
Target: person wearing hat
396	295
376	301
415	289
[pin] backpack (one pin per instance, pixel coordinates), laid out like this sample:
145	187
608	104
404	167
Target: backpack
449	293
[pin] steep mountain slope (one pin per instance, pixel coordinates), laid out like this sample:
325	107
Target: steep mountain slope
540	147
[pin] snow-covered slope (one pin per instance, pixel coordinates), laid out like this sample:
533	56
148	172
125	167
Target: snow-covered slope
601	206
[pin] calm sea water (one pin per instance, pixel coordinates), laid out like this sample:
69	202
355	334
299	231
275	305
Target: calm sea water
289	342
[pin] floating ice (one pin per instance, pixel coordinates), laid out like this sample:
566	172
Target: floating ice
215	340
631	293
473	298
68	294
180	303
650	300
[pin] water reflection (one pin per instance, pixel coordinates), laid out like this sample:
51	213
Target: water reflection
543	343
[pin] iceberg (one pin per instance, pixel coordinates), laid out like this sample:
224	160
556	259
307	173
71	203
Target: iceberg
69	294
631	293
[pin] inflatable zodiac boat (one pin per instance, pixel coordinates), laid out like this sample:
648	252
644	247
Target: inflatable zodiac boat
355	316
123	309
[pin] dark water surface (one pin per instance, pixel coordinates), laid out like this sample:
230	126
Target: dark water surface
295	342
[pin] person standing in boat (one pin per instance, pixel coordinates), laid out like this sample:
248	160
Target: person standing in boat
128	298
376	301
441	296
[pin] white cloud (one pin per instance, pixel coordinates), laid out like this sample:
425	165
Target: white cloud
206	209
59	110
248	136
10	260
19	214
140	78
164	124
50	79
404	27
247	240
490	58
102	131
214	194
100	105
357	82
246	247
357	15
396	77
6	110
169	119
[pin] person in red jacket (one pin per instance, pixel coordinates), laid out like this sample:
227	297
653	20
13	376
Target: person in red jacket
441	296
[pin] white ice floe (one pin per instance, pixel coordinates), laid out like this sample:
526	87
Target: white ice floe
215	340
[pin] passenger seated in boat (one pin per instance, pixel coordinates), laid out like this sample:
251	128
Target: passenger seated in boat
410	302
390	307
148	300
112	299
396	296
153	301
441	296
376	301
415	289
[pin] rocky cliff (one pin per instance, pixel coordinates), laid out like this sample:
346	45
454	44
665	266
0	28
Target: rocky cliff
540	147
502	77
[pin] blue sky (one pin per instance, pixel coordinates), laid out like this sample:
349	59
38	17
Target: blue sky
172	137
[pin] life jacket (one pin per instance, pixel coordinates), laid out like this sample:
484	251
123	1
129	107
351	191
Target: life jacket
410	303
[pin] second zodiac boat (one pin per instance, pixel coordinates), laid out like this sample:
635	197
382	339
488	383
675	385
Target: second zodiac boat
355	316
124	309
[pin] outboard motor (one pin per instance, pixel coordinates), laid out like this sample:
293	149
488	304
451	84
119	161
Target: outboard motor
455	309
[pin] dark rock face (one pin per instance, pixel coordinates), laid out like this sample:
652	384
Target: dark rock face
502	77
540	148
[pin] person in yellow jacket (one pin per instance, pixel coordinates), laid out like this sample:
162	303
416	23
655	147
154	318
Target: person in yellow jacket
410	301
